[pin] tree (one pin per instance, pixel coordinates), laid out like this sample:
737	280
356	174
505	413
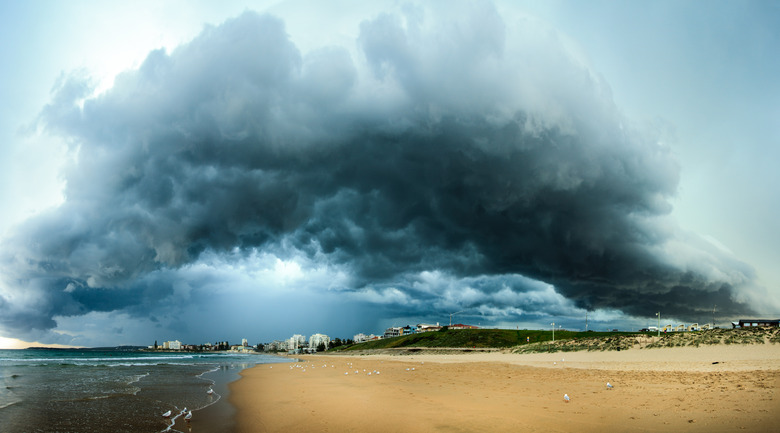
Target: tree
155	344
336	342
321	347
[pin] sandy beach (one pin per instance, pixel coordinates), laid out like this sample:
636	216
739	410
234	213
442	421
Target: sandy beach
721	388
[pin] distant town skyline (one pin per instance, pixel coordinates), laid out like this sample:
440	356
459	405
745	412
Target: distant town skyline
198	171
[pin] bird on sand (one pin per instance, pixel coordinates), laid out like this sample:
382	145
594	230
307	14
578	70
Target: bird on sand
566	398
189	416
166	414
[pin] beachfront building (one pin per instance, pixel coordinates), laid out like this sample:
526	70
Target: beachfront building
423	327
679	328
296	342
462	326
242	349
171	345
760	323
244	342
397	331
317	339
276	346
362	338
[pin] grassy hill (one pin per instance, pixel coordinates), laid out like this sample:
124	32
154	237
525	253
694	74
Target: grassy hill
532	341
474	338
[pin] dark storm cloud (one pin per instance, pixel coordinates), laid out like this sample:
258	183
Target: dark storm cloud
473	147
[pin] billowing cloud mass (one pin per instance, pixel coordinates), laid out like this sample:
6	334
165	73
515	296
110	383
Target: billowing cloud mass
448	160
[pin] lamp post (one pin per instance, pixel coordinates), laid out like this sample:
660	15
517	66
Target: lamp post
713	316
553	328
659	323
452	314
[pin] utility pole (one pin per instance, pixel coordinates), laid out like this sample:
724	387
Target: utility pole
586	320
659	323
553	328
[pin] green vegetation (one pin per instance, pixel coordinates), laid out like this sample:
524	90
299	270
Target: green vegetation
718	336
535	341
475	339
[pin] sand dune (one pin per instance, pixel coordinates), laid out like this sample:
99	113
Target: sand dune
708	389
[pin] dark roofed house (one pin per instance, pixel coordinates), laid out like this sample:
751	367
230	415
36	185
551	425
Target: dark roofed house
757	323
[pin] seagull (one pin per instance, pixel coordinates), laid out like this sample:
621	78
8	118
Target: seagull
566	398
609	385
189	416
166	414
210	391
185	410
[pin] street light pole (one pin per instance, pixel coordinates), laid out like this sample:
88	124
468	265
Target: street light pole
452	314
713	316
659	323
553	328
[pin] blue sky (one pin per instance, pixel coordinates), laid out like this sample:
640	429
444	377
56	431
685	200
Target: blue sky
252	170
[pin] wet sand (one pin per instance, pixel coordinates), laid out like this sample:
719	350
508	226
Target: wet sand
709	389
220	416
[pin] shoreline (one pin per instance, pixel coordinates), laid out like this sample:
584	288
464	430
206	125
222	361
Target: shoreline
720	388
220	416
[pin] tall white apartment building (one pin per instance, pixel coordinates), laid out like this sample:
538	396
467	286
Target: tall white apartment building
317	339
296	341
172	345
244	342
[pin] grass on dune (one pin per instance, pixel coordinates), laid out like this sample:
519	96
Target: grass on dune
535	341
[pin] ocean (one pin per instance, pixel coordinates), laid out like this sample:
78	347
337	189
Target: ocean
84	391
